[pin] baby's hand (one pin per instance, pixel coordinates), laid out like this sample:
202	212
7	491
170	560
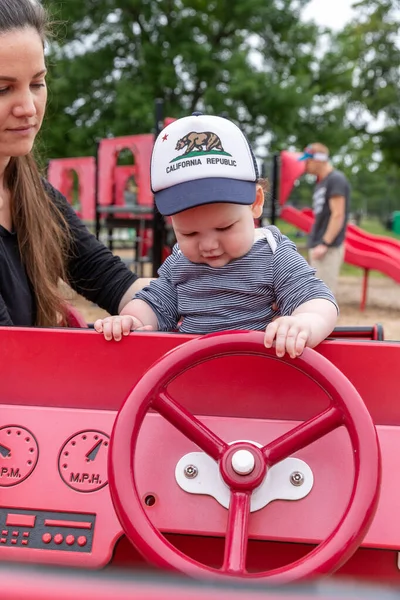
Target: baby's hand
116	327
291	335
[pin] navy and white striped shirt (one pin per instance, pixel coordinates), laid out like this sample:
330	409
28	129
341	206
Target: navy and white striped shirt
238	295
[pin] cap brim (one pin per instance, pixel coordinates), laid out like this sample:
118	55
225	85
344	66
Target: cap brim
304	156
204	191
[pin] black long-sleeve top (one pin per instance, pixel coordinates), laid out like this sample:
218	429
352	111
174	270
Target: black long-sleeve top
92	270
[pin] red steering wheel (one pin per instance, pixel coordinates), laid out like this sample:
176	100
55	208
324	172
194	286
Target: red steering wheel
346	408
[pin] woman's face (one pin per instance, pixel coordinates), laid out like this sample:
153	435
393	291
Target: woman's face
23	91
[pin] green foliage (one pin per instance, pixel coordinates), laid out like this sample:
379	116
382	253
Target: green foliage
369	47
288	83
112	58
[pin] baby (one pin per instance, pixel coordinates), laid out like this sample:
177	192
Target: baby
223	274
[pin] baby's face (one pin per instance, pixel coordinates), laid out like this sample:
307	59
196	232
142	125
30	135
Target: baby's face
215	234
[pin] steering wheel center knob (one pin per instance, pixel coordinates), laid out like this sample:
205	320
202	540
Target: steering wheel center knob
243	462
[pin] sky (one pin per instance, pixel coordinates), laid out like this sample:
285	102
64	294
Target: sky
331	13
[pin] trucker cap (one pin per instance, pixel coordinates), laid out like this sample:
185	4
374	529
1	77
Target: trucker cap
202	159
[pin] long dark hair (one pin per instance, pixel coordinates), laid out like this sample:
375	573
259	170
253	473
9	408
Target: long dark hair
43	235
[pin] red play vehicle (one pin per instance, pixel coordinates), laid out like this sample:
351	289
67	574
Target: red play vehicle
203	456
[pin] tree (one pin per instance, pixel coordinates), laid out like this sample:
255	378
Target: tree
252	60
370	50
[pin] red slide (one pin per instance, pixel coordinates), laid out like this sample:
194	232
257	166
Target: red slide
363	249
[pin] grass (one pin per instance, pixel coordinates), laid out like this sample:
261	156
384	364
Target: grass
370	225
374	226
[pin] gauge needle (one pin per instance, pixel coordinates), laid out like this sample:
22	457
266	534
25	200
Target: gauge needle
4	451
91	455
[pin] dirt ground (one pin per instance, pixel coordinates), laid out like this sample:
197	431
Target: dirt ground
383	304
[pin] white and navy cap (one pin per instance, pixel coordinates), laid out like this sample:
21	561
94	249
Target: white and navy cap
202	159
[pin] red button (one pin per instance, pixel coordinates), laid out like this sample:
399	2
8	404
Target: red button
3	541
16	533
46	538
26	534
24	542
70	539
5	532
15	520
14	541
58	538
82	540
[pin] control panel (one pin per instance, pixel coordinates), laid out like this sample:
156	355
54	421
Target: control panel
47	530
55	503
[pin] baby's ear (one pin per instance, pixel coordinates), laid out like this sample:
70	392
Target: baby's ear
257	206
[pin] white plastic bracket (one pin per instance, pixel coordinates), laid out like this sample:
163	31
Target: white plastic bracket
291	479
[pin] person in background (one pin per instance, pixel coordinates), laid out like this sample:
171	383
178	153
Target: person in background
42	241
331	201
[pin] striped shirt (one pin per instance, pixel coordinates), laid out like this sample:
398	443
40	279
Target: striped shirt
239	295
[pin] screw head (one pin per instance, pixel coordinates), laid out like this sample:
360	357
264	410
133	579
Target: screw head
191	471
297	478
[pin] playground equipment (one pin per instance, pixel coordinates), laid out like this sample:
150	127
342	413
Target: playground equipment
155	449
362	249
102	186
60	173
112	211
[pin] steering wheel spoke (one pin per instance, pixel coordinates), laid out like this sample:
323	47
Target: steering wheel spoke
303	435
189	425
236	538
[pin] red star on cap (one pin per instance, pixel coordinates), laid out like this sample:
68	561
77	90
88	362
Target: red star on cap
165	137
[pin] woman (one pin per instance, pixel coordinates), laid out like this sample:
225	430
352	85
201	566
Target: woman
42	241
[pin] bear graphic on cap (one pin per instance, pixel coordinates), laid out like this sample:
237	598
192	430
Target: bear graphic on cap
194	140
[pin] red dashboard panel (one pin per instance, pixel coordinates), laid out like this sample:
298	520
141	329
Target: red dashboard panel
61	391
61	512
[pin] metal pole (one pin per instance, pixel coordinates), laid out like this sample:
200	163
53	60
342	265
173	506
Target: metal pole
274	187
97	193
158	219
264	214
